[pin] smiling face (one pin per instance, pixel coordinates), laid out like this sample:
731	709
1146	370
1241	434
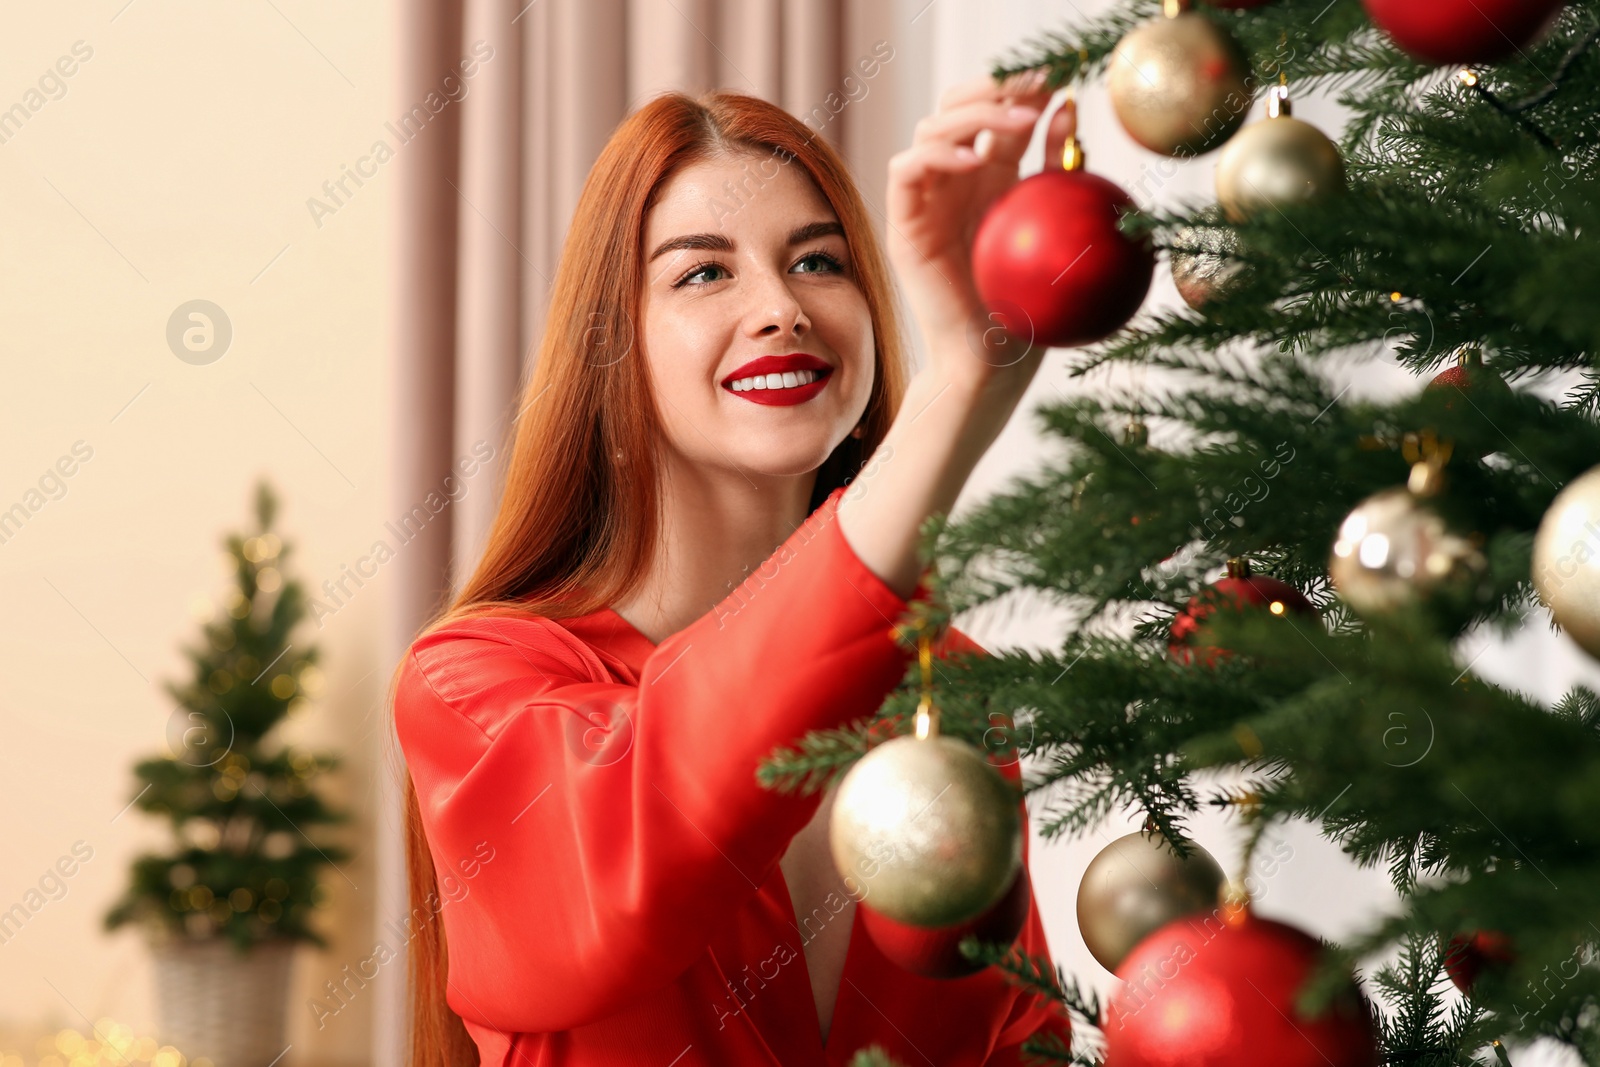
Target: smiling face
745	261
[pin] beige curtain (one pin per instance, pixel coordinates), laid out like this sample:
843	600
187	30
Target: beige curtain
509	103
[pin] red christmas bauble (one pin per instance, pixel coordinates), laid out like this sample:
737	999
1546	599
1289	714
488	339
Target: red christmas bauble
1471	376
1468	375
1468	956
1463	31
1238	591
935	952
1051	265
1219	990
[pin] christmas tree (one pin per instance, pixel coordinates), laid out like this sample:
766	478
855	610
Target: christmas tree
1269	578
241	805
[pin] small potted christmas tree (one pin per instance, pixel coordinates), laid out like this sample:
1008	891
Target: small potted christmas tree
224	909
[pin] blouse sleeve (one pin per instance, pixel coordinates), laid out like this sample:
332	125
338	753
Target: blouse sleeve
1039	1018
610	869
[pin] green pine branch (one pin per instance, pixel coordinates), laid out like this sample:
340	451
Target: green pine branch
1467	222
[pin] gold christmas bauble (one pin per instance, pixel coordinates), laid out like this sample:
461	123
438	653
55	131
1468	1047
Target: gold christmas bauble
1275	162
1395	551
929	829
1566	560
1202	260
1180	86
1138	884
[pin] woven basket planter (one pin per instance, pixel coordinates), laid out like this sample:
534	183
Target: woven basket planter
216	1003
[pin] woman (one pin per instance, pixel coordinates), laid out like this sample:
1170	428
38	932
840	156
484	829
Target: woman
677	583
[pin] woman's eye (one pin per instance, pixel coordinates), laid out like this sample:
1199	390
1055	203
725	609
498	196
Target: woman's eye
828	262
697	272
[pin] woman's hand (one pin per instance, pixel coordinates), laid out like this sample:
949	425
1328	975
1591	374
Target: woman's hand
956	406
939	190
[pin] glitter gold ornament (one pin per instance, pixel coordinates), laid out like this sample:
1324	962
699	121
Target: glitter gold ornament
1279	161
931	825
1180	85
1566	560
1203	263
1395	551
1138	884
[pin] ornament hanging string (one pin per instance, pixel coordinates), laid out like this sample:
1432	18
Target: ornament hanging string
1072	157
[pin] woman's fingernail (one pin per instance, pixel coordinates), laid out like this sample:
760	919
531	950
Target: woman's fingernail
965	153
1020	113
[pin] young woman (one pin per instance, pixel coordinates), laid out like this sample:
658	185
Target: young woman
708	528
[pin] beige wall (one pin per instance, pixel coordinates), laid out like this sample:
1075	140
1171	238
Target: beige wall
177	165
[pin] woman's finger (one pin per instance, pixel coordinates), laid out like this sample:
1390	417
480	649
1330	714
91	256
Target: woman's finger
922	161
1008	145
961	125
1028	84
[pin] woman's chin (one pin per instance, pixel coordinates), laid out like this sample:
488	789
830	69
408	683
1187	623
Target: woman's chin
792	464
781	454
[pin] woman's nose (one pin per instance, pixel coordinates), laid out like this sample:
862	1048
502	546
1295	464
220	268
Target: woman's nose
774	309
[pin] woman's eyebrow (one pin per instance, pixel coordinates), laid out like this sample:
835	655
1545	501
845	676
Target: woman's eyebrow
812	230
716	242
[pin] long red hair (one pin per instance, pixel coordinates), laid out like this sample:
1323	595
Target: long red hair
577	523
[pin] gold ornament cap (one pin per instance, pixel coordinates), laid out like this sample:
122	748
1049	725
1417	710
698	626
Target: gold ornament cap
1072	155
1427	455
927	710
1279	106
1235	901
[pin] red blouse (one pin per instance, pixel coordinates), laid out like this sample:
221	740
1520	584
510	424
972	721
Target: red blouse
620	899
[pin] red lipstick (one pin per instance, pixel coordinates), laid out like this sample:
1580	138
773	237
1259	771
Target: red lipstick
783	397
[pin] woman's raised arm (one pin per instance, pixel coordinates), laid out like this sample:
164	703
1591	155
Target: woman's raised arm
958	403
